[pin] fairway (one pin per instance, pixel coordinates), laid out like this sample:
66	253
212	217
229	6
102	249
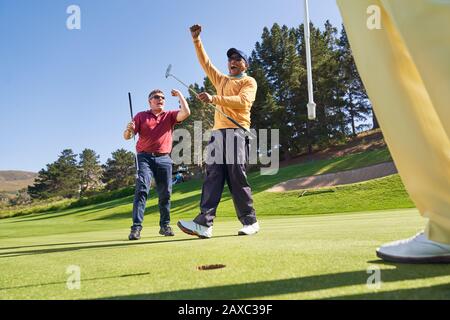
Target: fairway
308	257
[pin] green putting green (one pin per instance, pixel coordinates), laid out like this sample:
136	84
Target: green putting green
309	257
317	246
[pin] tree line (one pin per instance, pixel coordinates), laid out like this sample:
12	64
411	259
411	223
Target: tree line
73	175
278	63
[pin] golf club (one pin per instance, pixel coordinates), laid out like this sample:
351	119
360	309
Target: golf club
134	137
311	105
169	74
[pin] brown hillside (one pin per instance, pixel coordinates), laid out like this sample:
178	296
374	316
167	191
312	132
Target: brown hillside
13	181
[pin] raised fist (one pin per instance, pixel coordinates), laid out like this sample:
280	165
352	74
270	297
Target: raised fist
196	30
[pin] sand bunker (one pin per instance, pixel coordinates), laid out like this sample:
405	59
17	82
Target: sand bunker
335	179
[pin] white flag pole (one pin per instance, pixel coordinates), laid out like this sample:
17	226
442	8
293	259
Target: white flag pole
311	105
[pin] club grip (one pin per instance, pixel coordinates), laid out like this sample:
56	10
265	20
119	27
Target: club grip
241	127
131	105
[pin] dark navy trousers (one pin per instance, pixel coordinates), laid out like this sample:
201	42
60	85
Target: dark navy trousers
227	157
159	168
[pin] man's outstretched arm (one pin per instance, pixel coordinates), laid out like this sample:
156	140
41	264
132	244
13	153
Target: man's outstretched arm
211	71
185	112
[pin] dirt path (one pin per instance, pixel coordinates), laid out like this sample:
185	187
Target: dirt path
335	179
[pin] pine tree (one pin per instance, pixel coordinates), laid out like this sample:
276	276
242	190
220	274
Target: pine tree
330	124
67	175
276	56
120	170
43	187
90	171
61	178
264	106
357	105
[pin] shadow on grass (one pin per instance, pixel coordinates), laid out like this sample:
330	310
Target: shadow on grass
62	244
84	280
179	206
91	209
266	289
435	292
104	246
188	186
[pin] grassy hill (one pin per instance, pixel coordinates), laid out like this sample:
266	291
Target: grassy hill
385	193
12	181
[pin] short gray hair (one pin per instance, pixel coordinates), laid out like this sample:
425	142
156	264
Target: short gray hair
154	92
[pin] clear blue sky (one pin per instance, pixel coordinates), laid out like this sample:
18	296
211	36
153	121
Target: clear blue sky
68	89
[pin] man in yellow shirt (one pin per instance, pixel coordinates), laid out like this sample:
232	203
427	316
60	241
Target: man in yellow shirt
402	50
236	93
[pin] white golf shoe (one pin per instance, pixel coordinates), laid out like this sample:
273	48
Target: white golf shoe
194	229
249	229
417	249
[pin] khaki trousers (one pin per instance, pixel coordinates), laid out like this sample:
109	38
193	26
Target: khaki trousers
405	67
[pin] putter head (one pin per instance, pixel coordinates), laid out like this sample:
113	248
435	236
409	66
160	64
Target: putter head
169	68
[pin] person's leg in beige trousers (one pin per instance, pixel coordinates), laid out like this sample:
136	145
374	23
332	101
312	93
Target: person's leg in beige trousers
405	66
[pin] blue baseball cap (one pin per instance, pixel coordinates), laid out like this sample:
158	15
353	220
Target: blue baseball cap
232	51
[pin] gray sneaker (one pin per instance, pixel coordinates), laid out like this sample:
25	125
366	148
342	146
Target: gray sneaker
135	234
194	229
418	249
166	231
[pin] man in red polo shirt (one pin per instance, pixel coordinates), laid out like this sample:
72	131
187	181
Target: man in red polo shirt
155	128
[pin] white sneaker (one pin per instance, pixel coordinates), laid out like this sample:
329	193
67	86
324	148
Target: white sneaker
249	229
417	249
194	229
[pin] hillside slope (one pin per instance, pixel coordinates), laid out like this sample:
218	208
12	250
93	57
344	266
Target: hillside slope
12	181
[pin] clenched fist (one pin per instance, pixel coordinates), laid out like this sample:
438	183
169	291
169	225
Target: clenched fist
176	93
129	131
196	30
131	126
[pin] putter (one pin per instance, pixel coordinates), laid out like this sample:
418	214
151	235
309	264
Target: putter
311	105
134	137
169	74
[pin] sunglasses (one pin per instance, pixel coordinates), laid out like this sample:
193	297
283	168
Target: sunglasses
158	97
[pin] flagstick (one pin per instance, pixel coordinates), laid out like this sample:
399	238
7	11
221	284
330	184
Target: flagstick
311	105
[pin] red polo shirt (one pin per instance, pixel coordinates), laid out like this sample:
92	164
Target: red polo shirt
155	132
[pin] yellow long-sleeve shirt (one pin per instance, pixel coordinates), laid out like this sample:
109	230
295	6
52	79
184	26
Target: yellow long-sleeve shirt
235	96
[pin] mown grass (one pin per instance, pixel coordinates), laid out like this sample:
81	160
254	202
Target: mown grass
308	257
39	207
379	194
62	204
310	247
